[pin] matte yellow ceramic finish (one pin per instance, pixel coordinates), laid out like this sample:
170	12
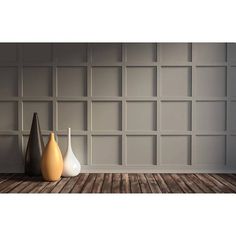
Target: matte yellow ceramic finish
52	161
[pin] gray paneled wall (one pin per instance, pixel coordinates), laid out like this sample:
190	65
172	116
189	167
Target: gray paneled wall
165	107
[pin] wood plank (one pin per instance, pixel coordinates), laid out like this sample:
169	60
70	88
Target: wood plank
228	178
80	183
11	183
70	184
88	186
208	183
143	183
106	188
134	183
125	184
199	183
162	184
181	184
5	177
233	176
97	187
224	182
41	185
116	183
188	181
60	185
17	180
48	188
32	183
218	184
152	183
174	188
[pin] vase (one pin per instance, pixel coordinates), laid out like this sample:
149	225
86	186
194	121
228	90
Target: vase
52	161
71	165
34	149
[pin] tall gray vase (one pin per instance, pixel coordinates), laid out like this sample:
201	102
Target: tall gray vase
34	149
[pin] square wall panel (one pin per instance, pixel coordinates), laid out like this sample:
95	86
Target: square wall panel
211	81
8	82
176	81
106	53
8	52
141	52
9	116
106	116
141	81
44	110
11	160
210	52
176	116
175	150
106	81
233	116
70	53
79	147
232	53
106	150
37	52
141	116
141	150
176	52
37	81
211	116
231	160
210	150
72	81
232	77
72	115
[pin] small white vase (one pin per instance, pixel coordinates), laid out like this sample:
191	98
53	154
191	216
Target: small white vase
71	165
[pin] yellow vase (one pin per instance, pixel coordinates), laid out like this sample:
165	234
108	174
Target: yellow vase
52	161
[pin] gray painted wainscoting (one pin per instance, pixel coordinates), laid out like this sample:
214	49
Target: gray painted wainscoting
146	107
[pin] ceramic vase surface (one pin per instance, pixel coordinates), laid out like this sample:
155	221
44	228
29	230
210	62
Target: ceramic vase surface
34	149
71	166
52	161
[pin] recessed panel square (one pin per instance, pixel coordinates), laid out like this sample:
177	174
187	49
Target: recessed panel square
106	81
210	150
8	82
8	52
141	116
211	81
70	53
37	81
79	147
211	116
141	150
141	81
106	53
72	115
9	116
106	150
175	150
233	116
176	116
210	52
141	52
44	110
232	77
106	115
72	81
232	53
176	52
231	160
37	52
11	160
176	81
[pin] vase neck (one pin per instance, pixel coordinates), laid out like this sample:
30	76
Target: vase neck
52	137
69	138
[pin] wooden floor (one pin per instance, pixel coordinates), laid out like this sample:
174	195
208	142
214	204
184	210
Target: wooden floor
122	183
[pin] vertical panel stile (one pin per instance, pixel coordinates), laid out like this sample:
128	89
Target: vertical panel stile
124	93
158	71
54	92
193	113
89	104
228	84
